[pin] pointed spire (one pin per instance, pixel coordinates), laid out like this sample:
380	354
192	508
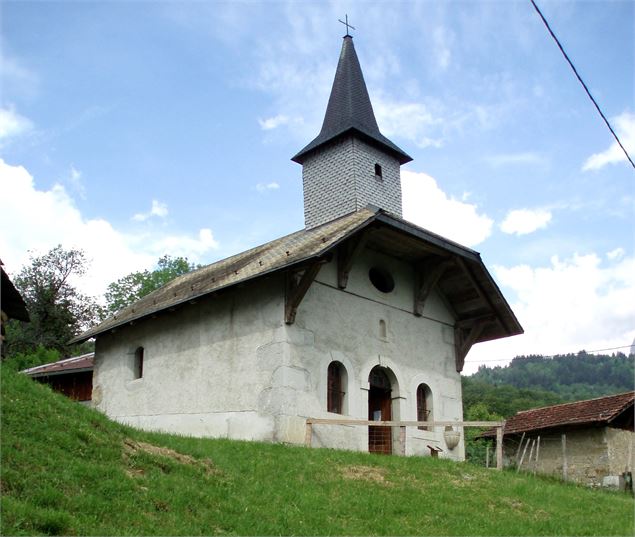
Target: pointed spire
350	109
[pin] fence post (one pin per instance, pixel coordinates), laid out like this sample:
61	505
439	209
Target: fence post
564	457
499	448
402	439
537	452
308	434
519	448
522	457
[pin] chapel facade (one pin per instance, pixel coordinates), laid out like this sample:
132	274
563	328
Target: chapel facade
359	315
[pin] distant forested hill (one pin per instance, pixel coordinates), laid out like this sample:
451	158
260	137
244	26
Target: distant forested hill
572	376
535	381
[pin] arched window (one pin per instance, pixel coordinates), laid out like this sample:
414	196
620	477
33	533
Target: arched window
336	388
138	363
424	404
383	333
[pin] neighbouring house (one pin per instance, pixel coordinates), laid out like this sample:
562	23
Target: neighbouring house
361	314
589	442
72	376
12	305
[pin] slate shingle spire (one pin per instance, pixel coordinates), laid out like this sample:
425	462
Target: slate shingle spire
350	164
349	108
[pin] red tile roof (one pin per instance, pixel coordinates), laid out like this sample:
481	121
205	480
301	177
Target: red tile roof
599	410
68	365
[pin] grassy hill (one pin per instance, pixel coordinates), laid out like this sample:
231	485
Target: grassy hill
66	469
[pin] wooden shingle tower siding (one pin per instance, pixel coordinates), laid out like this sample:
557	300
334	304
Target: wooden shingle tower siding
350	164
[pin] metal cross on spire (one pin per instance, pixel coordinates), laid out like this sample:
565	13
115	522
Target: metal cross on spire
347	26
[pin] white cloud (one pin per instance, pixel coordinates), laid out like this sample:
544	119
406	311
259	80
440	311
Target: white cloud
75	180
624	125
525	221
12	124
159	209
566	306
278	121
16	78
443	39
505	159
413	121
38	220
426	205
262	187
616	254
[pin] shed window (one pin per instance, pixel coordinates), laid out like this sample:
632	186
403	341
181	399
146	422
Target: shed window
424	404
378	173
138	363
335	392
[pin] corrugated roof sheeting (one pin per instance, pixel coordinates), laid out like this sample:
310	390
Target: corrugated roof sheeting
84	362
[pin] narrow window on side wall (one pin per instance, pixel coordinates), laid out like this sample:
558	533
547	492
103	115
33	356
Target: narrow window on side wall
335	391
138	363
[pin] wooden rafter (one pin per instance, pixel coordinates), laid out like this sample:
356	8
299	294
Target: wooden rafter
468	322
346	255
479	289
427	279
297	284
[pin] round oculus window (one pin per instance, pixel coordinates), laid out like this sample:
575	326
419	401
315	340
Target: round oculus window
381	279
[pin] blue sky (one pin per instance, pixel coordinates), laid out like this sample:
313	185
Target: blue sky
138	129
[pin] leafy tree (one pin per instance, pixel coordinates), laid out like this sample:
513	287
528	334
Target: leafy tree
132	287
476	449
57	309
39	356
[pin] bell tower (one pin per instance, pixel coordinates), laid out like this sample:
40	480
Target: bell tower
350	164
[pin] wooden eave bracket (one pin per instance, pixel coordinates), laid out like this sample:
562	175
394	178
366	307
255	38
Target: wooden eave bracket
426	280
346	255
297	285
464	337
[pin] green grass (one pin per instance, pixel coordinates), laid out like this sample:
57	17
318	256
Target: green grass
67	469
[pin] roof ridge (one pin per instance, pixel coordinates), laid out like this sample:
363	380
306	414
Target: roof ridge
631	392
63	361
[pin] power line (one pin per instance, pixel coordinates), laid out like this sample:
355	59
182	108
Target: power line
581	81
551	355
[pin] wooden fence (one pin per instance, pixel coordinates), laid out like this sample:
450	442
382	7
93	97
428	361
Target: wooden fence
498	425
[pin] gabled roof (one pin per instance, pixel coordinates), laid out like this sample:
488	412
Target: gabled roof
598	411
349	109
12	302
76	364
466	285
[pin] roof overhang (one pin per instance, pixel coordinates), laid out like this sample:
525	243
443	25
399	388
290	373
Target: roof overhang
375	139
481	312
12	302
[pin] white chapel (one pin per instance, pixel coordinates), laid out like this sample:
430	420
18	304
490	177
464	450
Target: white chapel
360	315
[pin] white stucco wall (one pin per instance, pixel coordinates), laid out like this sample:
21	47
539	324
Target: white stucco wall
228	366
343	325
206	366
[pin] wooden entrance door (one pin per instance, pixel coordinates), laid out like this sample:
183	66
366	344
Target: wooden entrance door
379	409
